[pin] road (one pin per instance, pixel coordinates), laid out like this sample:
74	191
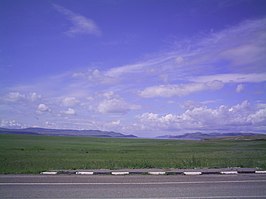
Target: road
135	186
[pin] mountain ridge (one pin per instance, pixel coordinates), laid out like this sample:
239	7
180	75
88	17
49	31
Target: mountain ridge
65	132
202	136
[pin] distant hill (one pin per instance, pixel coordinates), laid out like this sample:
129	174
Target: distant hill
66	132
203	136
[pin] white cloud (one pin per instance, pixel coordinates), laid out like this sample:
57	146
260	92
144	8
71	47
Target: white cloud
119	71
19	96
241	116
109	94
43	108
179	89
34	96
240	88
232	78
179	60
238	47
190	104
70	111
258	117
11	124
243	54
114	105
49	124
116	122
15	96
93	76
70	101
81	24
147	66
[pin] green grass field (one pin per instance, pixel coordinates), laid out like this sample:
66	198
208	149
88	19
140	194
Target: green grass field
33	154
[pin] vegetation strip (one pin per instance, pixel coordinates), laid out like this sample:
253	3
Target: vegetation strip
29	154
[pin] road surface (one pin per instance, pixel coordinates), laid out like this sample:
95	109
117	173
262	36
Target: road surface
135	186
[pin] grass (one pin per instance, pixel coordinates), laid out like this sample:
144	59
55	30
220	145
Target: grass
33	154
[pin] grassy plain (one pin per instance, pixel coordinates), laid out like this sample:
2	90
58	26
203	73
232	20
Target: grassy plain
33	154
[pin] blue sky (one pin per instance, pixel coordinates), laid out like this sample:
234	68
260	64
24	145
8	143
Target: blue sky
149	67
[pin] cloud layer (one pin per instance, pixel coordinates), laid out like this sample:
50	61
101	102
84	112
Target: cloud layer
240	117
222	72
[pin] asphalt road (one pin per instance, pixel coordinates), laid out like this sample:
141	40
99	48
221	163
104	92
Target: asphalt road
137	186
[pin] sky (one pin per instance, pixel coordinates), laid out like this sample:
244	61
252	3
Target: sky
148	68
